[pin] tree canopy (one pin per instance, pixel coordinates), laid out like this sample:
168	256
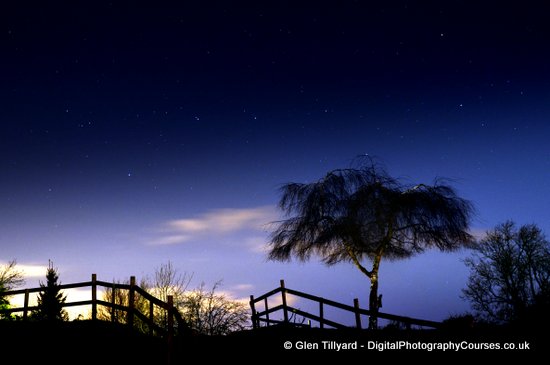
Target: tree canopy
363	214
510	274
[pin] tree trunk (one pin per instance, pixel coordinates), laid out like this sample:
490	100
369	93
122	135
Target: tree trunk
374	300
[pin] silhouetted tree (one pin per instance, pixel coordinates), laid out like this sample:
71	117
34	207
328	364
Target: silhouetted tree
10	278
168	281
204	311
362	213
51	299
211	313
510	273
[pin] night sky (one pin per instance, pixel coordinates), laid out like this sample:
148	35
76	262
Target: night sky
133	133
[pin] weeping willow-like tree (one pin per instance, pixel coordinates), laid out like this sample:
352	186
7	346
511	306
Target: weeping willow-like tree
361	215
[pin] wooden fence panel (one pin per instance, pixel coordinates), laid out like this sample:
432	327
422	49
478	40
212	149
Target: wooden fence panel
263	316
173	316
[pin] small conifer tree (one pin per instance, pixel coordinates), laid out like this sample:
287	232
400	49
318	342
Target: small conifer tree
4	303
51	299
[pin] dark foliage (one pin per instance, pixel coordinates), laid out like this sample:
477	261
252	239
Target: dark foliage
510	275
10	278
359	214
363	210
51	299
4	303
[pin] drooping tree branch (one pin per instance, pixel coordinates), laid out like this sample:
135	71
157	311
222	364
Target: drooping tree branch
362	213
357	263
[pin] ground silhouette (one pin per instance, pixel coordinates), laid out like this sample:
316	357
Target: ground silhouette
109	343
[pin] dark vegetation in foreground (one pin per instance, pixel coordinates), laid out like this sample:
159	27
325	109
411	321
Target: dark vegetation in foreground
112	343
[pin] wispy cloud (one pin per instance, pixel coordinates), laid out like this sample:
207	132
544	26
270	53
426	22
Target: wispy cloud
28	270
33	271
170	239
231	295
216	223
243	287
225	221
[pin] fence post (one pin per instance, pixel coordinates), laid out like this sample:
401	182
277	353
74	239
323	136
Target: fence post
151	316
321	315
26	304
94	297
253	309
357	313
170	337
131	298
266	312
113	302
283	294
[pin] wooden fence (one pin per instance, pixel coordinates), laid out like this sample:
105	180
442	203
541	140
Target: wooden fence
259	317
170	313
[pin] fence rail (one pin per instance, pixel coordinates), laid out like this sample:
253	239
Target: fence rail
173	317
259	317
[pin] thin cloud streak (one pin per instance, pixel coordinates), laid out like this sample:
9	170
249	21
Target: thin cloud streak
170	240
216	223
28	270
243	287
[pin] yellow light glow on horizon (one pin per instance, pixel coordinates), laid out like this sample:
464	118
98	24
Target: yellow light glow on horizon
73	295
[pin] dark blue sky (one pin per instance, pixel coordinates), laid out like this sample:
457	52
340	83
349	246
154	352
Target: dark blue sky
128	128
